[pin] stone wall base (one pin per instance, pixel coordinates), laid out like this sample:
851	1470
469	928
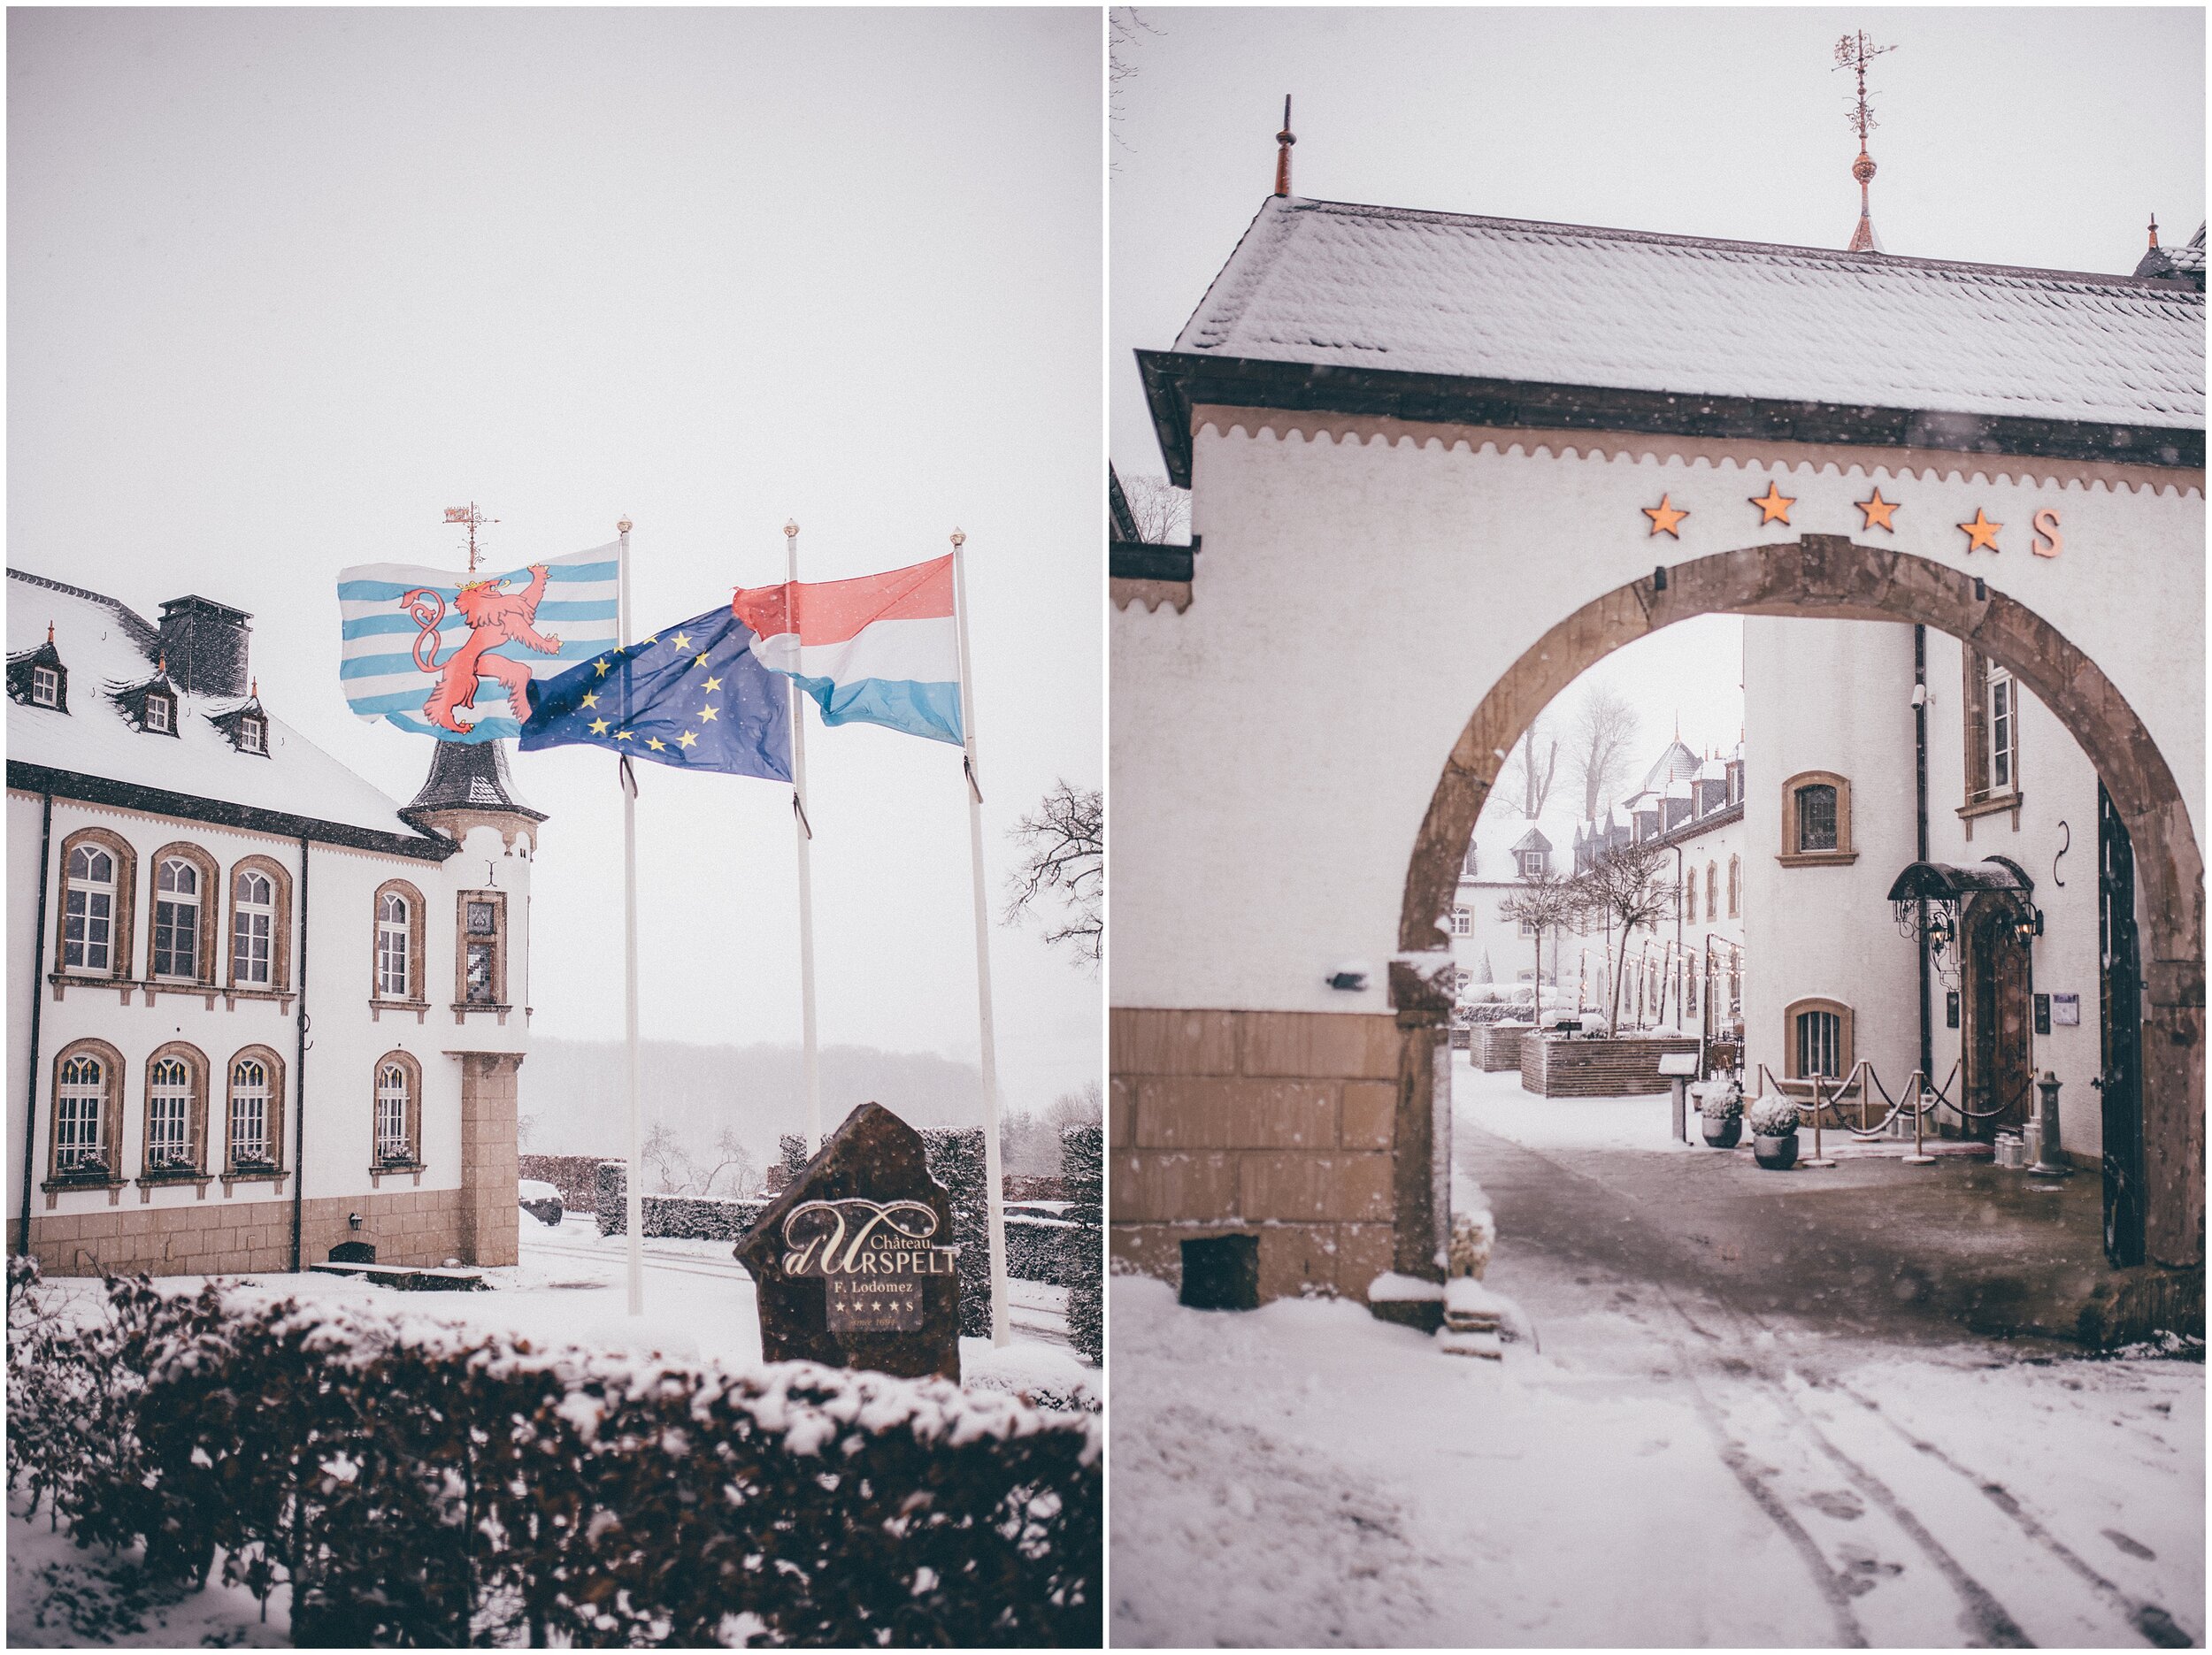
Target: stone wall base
1295	1258
1279	1125
416	1227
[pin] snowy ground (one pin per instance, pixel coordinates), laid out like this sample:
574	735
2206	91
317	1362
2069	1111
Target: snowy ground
569	1288
1668	1471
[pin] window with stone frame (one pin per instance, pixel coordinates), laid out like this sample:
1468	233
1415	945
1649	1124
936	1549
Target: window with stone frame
1817	1039
1992	700
95	889
1817	819
86	1112
481	951
398	1110
397	919
254	1138
1463	922
176	1100
178	919
260	923
1712	891
1735	888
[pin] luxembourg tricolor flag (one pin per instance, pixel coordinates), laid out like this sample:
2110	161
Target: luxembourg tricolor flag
883	649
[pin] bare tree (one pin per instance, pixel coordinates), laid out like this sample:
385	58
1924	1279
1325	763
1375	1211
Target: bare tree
1529	774
1545	903
1604	728
675	1170
1162	509
1066	838
1628	887
1125	28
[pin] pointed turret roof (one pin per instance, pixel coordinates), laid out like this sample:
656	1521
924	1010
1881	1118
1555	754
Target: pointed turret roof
469	775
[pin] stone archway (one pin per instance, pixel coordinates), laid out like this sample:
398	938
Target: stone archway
1831	577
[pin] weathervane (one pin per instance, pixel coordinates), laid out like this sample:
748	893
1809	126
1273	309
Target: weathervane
469	515
1855	52
1283	140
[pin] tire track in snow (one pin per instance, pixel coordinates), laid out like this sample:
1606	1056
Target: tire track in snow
2151	1622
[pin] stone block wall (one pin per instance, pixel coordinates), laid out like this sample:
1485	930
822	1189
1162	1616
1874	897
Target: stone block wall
1275	1125
421	1227
490	1159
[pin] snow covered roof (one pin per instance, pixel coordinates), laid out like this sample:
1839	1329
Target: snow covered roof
1675	762
292	787
1336	285
2190	254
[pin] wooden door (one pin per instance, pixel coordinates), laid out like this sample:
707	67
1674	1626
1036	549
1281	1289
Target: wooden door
2000	1061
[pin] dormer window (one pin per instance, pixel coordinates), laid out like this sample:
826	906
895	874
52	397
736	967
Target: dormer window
159	713
251	736
1532	864
37	677
45	687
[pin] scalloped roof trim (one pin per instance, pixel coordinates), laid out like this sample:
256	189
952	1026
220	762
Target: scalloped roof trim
1931	464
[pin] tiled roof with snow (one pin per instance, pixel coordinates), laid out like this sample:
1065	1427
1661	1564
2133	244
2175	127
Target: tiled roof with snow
2190	255
103	644
1325	283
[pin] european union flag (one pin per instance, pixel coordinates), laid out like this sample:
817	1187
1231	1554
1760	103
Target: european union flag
693	695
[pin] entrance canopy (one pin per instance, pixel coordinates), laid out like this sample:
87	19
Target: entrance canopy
1941	882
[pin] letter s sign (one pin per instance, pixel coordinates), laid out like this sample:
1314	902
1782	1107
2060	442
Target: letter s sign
2047	526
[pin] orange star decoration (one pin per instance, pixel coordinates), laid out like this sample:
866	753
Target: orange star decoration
1664	517
1877	512
1775	508
1981	535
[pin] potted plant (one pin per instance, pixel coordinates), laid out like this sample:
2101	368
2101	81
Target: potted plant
1774	1133
1720	1106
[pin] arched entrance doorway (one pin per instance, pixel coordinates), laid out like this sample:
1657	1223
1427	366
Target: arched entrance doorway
1997	988
1834	577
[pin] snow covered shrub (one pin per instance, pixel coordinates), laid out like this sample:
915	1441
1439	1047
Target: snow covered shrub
1720	1101
956	1160
1083	1167
418	1484
1773	1117
687	1217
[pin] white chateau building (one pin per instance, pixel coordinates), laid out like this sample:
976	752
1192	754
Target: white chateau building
255	1008
1692	805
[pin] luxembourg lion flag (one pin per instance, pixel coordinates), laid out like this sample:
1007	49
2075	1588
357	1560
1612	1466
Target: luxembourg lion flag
882	650
424	649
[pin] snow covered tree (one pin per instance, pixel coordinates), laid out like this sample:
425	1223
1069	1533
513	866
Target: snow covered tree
1529	767
1628	887
1162	509
1603	730
1065	838
1544	903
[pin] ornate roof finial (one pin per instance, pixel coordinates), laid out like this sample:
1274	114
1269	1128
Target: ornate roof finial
49	632
1283	140
254	693
2153	229
161	665
1853	52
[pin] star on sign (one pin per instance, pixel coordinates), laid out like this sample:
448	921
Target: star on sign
1775	506
708	716
1664	517
1877	512
682	640
1981	535
687	739
599	727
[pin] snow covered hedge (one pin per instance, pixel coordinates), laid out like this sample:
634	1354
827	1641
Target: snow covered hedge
687	1217
420	1484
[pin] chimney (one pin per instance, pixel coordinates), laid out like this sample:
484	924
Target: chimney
205	645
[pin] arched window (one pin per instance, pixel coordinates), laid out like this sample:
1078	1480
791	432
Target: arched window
1689	897
256	1116
176	918
1735	878
1817	819
176	1081
81	1117
253	928
1712	891
398	1110
1817	1039
88	911
398	930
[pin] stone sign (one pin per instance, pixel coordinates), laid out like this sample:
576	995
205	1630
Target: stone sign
853	1263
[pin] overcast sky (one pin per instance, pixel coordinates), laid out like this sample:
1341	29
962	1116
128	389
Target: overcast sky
2038	137
284	284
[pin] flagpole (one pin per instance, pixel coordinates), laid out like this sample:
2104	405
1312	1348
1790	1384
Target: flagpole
993	1174
635	1182
806	875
